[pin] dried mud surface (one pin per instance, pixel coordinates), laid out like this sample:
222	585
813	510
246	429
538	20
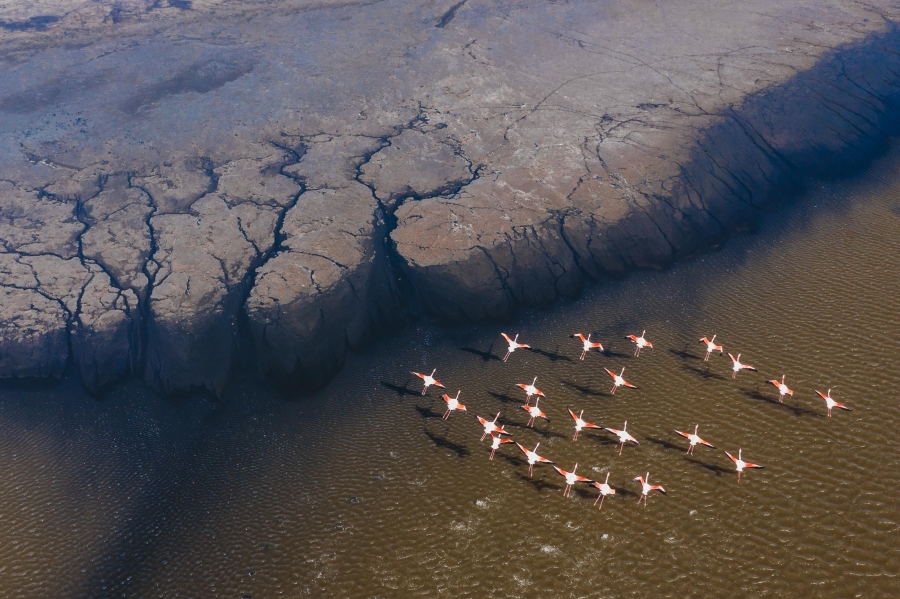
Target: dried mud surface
187	185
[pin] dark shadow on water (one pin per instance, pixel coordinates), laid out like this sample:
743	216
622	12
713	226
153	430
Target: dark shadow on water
548	434
585	390
666	444
625	492
599	437
400	391
585	492
552	356
427	412
684	354
538	483
714	468
513	460
505	398
443	443
615	354
797	410
705	373
486	356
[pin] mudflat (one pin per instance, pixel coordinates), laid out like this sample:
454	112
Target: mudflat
186	185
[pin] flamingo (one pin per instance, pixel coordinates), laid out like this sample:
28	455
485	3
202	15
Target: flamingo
640	342
579	423
496	442
533	457
571	479
623	436
587	345
694	439
782	388
490	427
711	347
605	490
530	390
452	404
513	345
429	380
535	412
646	487
736	365
618	381
831	403
741	464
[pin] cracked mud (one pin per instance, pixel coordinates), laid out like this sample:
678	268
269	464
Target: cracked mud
185	186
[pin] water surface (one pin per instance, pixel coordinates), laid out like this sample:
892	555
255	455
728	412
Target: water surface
364	491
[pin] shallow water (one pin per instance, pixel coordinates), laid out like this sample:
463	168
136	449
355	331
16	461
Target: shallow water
364	491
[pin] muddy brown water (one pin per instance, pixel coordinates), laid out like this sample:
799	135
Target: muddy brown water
364	491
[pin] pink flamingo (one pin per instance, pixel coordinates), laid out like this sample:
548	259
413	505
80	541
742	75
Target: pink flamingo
513	345
640	342
429	380
646	487
571	479
579	423
587	344
736	365
490	426
533	457
605	490
618	381
535	412
694	439
711	347
740	464
496	442
782	388
530	390
623	436
830	403
452	404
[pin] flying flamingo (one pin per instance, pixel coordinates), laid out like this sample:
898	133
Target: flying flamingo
618	381
694	439
640	342
530	390
571	479
535	412
496	442
782	388
623	436
741	464
533	457
711	347
587	345
736	365
831	403
605	490
429	380
579	423
452	404
646	487
513	345
490	427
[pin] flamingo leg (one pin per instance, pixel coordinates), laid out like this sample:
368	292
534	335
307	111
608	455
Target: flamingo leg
613	390
582	354
493	451
483	436
530	469
621	447
506	357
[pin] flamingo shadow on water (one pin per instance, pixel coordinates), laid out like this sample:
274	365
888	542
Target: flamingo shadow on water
513	460
400	391
459	450
797	410
585	390
600	439
615	354
504	397
538	483
427	412
486	356
705	373
714	468
552	356
666	444
684	354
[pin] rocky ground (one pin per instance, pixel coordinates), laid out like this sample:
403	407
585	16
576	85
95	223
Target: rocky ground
188	185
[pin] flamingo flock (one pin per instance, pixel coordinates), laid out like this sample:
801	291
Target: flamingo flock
500	436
